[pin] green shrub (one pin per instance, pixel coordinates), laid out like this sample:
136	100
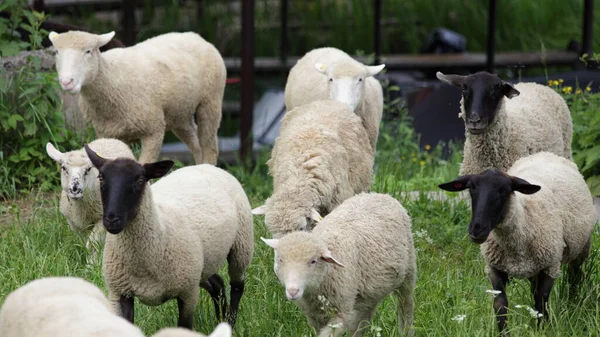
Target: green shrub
30	111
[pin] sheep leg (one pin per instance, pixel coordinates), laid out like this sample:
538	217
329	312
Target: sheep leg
216	288
360	321
334	328
151	146
187	306
237	290
499	279
126	307
406	304
209	119
188	133
543	287
574	274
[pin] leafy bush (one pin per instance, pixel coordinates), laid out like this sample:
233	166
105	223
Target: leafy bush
30	110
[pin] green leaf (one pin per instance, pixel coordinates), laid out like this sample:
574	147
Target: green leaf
594	185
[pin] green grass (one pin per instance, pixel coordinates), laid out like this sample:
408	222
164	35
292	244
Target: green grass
35	242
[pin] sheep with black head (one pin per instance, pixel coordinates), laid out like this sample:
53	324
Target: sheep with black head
504	122
166	240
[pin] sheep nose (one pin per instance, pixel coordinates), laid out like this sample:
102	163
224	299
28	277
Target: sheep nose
293	292
474	119
111	219
66	81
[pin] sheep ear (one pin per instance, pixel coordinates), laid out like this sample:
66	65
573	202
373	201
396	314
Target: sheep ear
158	169
521	185
315	216
458	184
94	157
53	36
54	153
222	330
321	68
509	91
327	257
105	38
374	70
455	80
260	210
273	243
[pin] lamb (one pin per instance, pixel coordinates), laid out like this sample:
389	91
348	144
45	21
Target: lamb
166	240
80	197
531	233
61	306
222	330
321	157
140	92
504	123
346	80
349	263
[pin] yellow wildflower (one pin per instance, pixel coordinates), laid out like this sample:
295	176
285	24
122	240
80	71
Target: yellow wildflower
555	82
588	89
567	90
578	91
422	162
549	83
414	160
560	80
427	147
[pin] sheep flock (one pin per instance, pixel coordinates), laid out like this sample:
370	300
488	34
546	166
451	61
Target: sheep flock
331	236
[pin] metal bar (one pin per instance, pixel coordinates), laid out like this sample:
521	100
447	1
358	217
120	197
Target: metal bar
283	43
247	75
38	5
128	22
377	30
588	27
491	40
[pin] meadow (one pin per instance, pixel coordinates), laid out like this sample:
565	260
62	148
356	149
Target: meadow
451	292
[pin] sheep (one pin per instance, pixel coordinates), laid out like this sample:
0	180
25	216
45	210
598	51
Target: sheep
531	233
167	239
222	330
504	122
80	196
61	306
354	257
140	92
341	78
321	157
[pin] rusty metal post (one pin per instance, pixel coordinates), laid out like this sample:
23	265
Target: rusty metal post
247	77
491	40
283	48
588	27
377	31
128	22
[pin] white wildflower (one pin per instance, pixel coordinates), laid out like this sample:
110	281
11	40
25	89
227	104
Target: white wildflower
336	326
493	292
534	313
459	318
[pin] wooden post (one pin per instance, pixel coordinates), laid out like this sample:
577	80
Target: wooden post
247	78
128	22
377	31
491	40
588	27
284	27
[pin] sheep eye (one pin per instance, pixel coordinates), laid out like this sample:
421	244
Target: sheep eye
88	52
314	261
87	170
330	79
64	168
360	79
141	181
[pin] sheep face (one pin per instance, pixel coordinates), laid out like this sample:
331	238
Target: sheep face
77	57
301	263
77	173
490	199
482	95
122	186
346	80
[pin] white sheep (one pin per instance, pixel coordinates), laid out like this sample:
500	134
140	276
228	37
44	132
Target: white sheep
167	239
59	307
140	92
321	157
529	234
354	258
504	123
80	196
339	77
222	330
